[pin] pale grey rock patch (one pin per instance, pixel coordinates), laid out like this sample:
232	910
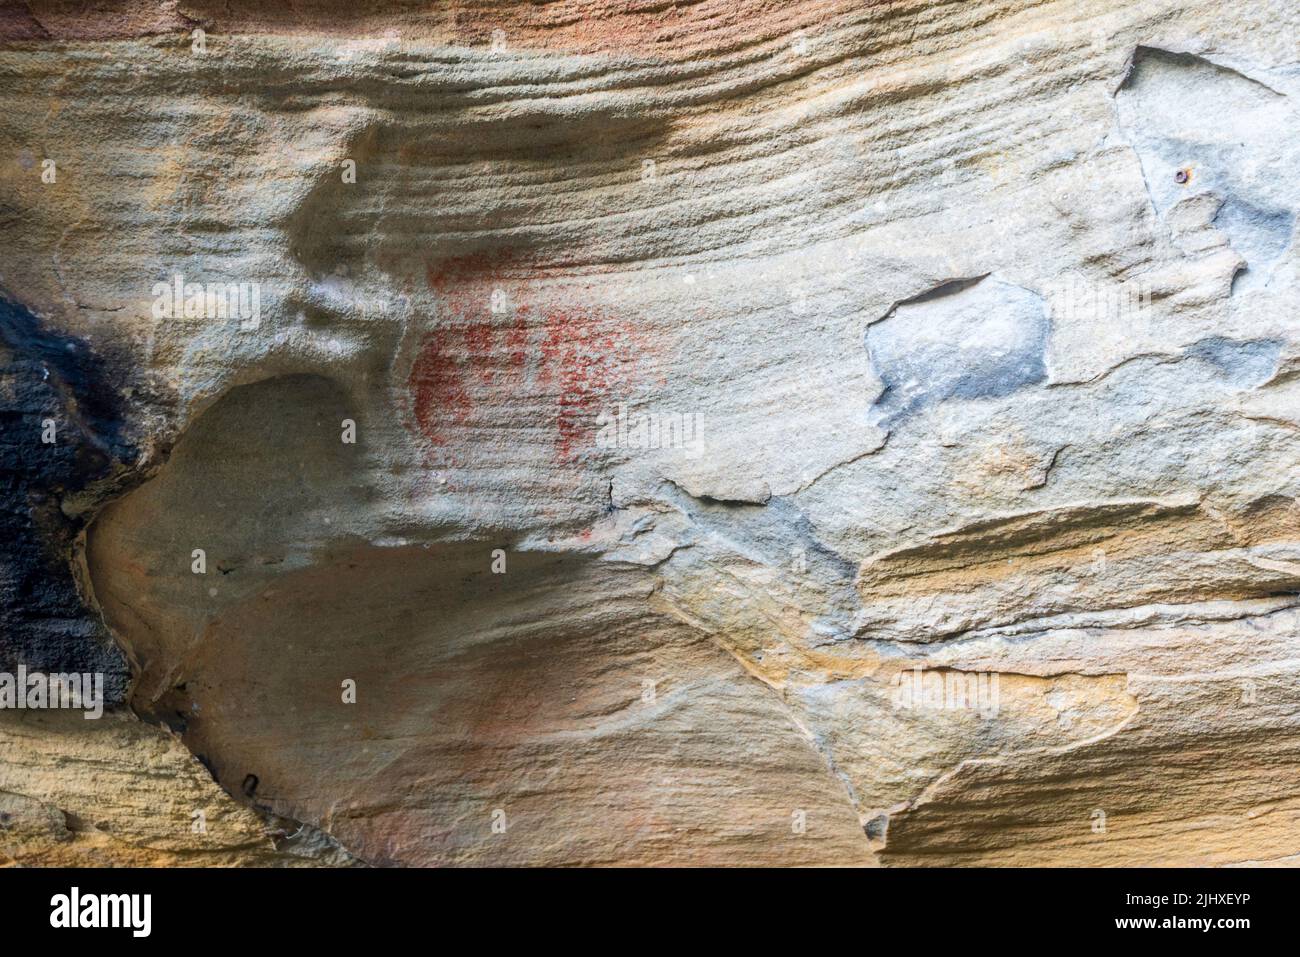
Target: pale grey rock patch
1199	128
967	339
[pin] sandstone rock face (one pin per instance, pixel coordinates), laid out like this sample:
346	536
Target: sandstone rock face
726	433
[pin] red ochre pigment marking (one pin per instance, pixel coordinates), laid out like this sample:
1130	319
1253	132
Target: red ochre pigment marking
584	359
438	387
517	340
461	356
477	359
587	356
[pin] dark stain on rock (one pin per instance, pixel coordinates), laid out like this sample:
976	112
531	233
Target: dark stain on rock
45	375
1245	363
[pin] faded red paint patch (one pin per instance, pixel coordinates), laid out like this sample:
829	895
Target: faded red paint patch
546	353
460	357
590	356
438	387
573	362
475	362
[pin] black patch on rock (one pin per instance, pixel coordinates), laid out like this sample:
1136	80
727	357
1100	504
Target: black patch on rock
47	375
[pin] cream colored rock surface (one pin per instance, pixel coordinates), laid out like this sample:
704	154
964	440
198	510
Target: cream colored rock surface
785	433
114	792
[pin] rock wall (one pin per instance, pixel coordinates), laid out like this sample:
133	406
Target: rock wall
719	433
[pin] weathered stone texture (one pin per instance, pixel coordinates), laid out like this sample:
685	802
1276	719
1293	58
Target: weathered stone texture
887	411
